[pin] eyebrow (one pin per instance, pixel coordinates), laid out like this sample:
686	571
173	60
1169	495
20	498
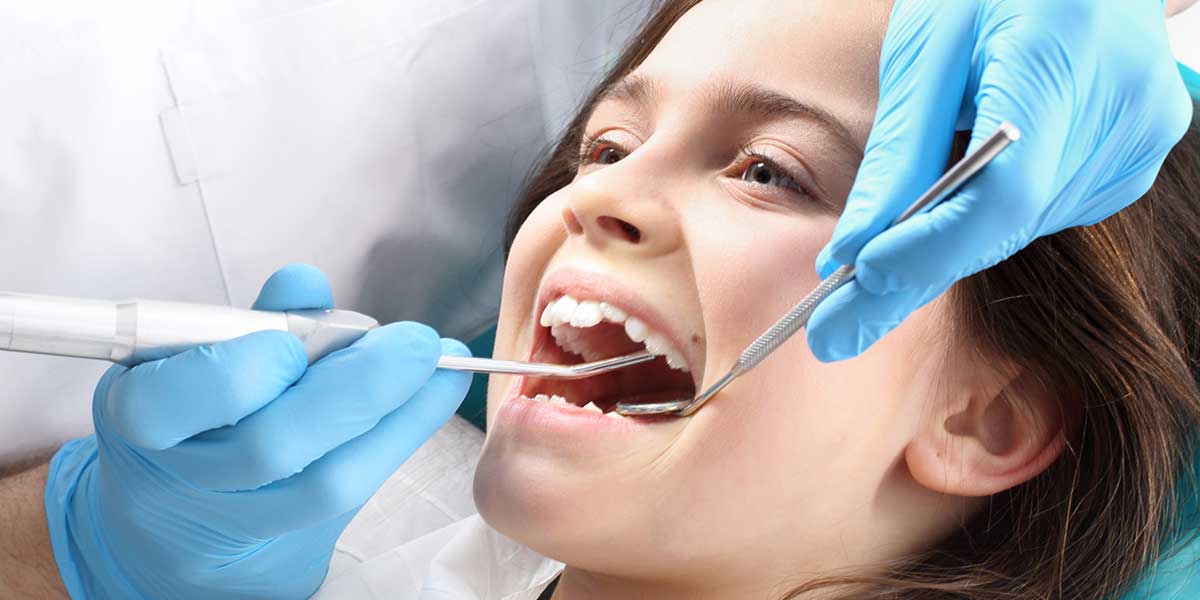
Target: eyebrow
741	98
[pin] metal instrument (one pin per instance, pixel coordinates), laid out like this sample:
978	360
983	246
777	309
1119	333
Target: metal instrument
135	331
797	318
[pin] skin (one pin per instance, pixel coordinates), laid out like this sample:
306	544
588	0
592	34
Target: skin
27	567
799	467
1175	7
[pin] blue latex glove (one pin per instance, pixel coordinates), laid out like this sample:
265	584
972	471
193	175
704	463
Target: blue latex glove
1093	88
229	471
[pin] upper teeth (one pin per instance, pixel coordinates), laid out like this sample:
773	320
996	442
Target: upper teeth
566	315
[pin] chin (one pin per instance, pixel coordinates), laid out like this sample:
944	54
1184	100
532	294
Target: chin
569	519
524	495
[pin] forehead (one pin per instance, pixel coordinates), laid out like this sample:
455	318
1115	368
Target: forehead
824	52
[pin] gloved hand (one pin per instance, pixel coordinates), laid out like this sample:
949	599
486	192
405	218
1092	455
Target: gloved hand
1095	92
229	471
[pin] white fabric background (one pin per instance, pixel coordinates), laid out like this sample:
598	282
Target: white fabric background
184	149
1184	29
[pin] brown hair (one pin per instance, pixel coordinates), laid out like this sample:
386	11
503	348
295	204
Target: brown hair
1107	318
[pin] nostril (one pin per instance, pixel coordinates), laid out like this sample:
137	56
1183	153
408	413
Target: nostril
572	222
623	229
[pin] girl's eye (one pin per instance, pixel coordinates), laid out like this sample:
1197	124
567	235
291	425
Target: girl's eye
604	155
761	171
600	151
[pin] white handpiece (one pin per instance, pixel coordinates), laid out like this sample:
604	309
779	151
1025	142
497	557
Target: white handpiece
135	331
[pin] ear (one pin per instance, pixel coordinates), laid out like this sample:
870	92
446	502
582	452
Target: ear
992	432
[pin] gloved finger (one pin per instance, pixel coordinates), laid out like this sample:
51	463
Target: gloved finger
995	214
158	404
346	477
1159	127
295	287
923	74
851	319
340	398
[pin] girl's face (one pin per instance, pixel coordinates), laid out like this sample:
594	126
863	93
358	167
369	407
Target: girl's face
710	178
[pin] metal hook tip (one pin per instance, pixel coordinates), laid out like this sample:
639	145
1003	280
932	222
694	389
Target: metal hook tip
652	408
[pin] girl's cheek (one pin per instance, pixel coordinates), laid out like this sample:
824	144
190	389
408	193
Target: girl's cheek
535	243
541	234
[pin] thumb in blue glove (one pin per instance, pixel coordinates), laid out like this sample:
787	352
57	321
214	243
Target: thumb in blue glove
1094	89
230	471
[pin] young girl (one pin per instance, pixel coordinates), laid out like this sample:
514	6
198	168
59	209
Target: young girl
1025	435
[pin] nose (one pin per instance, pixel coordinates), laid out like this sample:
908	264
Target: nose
613	209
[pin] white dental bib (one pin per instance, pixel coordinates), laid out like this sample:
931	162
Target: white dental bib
420	536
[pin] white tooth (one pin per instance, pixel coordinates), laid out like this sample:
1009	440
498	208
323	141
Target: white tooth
559	332
564	309
636	329
676	361
614	414
548	315
566	337
556	399
570	342
540	398
613	313
587	314
657	344
570	339
592	407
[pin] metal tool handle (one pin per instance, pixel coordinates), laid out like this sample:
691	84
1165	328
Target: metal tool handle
515	367
793	321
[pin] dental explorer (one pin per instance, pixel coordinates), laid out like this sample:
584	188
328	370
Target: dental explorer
136	331
797	318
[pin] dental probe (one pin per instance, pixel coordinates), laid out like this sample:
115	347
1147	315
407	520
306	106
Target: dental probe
135	331
797	318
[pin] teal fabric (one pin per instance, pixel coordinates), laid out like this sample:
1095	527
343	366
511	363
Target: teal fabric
1178	576
1192	79
474	408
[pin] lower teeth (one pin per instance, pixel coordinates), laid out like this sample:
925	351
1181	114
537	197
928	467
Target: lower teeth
552	399
556	399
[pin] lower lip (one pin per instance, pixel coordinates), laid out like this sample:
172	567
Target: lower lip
568	419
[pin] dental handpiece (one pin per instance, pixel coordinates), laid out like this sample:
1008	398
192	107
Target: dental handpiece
130	332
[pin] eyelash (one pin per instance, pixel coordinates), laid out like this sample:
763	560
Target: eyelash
589	145
748	157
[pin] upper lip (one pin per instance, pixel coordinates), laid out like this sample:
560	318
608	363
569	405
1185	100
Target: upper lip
584	285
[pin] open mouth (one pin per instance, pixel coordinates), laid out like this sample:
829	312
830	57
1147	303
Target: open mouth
574	330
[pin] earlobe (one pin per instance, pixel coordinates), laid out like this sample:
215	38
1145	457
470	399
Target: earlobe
989	441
